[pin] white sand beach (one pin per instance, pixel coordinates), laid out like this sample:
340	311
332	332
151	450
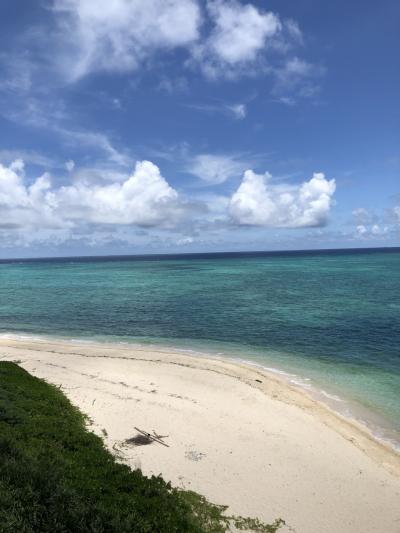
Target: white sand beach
236	434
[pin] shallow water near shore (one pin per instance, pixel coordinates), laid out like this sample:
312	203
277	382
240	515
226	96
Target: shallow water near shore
327	321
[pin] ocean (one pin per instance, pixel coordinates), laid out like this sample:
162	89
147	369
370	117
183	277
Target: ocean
328	321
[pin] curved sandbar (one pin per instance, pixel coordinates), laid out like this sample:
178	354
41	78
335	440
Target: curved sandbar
236	434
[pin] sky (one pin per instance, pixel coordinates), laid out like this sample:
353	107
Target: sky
180	126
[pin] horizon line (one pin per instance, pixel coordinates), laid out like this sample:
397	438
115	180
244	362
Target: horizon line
218	253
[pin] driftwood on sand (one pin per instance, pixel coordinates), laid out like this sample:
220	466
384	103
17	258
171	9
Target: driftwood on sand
150	437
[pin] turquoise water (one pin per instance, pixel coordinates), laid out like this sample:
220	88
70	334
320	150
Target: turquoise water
330	320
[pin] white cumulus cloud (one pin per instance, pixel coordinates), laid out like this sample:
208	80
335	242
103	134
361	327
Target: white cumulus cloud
143	199
258	202
375	230
26	205
240	33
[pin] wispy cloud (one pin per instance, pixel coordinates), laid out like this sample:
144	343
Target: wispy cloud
119	36
95	140
394	215
216	168
236	111
52	116
362	216
29	156
220	38
286	100
239	111
172	85
296	80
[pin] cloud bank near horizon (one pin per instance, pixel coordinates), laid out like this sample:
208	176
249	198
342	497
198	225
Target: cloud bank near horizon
145	199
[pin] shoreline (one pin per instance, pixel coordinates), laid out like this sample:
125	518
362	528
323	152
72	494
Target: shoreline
299	383
228	423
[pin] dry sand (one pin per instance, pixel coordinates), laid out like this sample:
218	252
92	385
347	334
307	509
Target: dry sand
236	434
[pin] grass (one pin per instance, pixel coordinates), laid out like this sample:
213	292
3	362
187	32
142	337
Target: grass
57	477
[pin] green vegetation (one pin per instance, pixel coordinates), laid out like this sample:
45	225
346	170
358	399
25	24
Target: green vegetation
57	477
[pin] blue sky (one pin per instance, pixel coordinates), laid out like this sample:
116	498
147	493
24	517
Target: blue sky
132	126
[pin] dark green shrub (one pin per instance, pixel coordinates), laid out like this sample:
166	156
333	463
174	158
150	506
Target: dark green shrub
57	477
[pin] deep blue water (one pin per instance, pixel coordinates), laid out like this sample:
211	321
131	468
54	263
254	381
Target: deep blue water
332	318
